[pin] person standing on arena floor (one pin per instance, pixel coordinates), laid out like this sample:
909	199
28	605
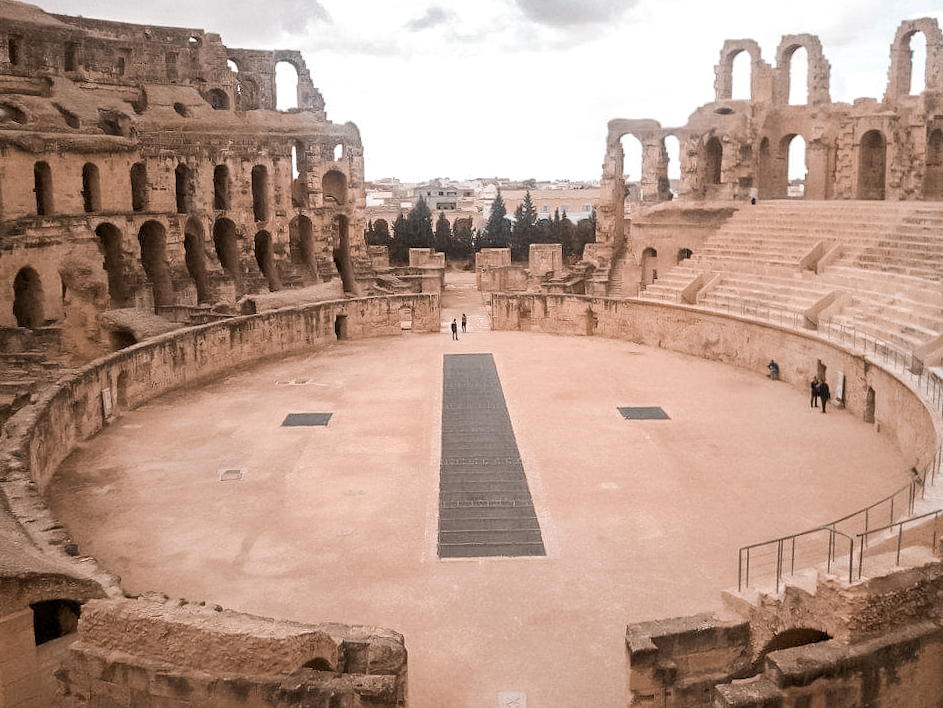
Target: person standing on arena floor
464	322
814	390
454	329
824	394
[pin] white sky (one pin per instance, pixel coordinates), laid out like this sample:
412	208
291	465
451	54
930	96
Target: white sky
522	88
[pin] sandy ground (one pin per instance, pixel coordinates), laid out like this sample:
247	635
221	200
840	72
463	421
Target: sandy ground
641	519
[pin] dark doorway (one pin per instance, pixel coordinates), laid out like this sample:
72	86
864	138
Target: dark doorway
53	619
872	166
196	259
713	161
28	299
139	187
301	245
42	186
227	250
109	241
154	259
869	406
91	188
266	259
933	181
342	254
260	192
340	327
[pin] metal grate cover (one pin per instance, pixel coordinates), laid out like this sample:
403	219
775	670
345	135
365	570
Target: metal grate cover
306	419
644	413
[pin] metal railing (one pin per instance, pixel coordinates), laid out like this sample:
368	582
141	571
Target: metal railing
914	522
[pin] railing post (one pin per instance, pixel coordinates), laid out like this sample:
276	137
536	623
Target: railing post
779	563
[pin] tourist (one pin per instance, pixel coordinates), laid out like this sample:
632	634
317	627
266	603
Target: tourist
824	394
464	322
773	370
454	329
814	391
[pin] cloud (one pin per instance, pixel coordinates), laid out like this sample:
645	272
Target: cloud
435	16
573	13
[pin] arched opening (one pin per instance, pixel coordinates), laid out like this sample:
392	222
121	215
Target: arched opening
221	187
797	170
28	299
713	161
933	180
318	664
154	259
91	188
184	188
799	77
196	259
227	250
340	327
342	254
869	405
918	63
871	165
790	638
299	175
266	259
286	86
260	192
338	152
218	99
42	186
684	254
121	339
741	80
766	172
334	187
71	57
139	187
673	150
301	244
649	266
53	619
109	240
632	167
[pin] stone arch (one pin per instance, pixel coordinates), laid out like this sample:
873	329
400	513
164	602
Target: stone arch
153	240
110	243
227	251
260	190
632	165
901	71
649	266
91	188
139	187
265	258
334	187
299	174
684	254
710	161
301	244
818	71
788	148
723	80
42	186
933	178
28	299
287	80
790	638
342	257
183	179
218	99
221	185
195	257
53	619
872	165
248	96
766	171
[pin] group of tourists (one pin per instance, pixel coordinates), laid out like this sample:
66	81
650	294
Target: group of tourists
455	326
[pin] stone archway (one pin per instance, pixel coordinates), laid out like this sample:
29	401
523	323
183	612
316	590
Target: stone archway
109	241
933	178
227	251
334	186
266	259
301	245
153	240
342	254
712	161
196	259
28	299
649	266
872	166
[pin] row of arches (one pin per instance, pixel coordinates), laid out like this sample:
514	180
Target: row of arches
334	187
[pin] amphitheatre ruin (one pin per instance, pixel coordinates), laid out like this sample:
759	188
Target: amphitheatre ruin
243	463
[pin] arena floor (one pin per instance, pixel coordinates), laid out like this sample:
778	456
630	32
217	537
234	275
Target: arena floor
641	519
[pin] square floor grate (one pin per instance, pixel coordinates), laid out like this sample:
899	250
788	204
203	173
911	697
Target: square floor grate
306	419
231	474
644	413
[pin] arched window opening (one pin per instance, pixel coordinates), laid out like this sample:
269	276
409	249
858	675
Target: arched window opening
42	179
649	266
933	181
742	77
632	167
872	165
286	86
153	242
684	254
260	192
218	99
918	63
233	66
53	619
338	152
301	245
295	171
221	187
799	77
109	241
334	187
342	254
91	188
184	188
266	259
713	161
28	299
227	251
673	149
195	259
797	170
139	197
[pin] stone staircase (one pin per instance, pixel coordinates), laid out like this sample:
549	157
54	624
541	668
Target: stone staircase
885	260
25	366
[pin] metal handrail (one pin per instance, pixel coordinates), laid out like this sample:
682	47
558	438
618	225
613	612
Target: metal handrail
743	577
863	537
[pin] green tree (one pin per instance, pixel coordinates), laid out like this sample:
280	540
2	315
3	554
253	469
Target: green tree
419	224
524	232
378	233
399	247
497	232
443	233
583	232
462	243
